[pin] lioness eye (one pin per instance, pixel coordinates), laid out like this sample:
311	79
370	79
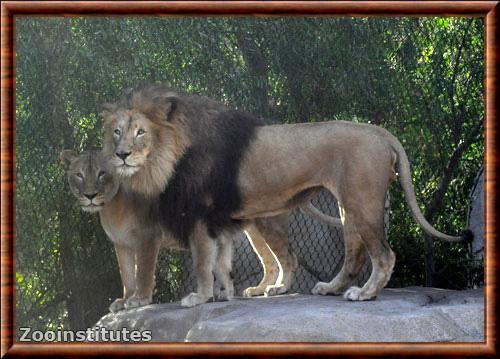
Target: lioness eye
102	174
79	175
117	132
140	132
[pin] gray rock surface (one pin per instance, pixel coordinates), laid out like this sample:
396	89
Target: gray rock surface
398	315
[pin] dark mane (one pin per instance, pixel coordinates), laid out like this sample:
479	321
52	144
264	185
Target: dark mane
204	184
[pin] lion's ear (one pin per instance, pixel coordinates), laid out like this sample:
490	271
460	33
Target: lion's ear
66	157
107	109
173	107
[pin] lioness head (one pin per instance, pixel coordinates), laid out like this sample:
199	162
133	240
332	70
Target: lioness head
90	177
144	137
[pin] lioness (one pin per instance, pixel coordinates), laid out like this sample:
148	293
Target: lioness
132	224
214	169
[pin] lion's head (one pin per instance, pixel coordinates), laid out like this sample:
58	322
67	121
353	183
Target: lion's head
90	177
144	137
184	150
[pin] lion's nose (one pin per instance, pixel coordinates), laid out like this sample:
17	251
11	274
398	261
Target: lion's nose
123	155
90	196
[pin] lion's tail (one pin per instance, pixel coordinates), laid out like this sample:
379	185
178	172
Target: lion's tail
403	166
315	213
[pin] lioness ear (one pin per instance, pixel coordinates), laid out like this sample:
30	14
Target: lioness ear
66	157
173	106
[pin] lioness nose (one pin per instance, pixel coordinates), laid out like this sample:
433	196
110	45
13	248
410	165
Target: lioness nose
90	196
123	155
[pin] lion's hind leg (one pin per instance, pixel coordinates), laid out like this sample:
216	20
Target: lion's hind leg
269	264
354	258
382	257
275	232
269	239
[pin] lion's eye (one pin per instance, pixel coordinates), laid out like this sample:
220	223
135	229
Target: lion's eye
79	175
118	132
140	132
102	174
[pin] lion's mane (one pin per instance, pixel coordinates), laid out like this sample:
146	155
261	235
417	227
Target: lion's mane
204	184
201	143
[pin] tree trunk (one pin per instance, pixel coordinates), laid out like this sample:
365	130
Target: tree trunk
437	203
257	66
54	110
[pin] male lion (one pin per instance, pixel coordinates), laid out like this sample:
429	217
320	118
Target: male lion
217	170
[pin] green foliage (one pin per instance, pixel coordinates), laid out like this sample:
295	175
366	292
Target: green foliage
421	78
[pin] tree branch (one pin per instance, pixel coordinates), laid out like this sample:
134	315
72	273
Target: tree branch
437	197
437	200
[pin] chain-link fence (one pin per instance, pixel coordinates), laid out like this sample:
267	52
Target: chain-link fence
289	69
318	247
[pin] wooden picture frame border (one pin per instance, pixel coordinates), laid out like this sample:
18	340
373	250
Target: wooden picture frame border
488	10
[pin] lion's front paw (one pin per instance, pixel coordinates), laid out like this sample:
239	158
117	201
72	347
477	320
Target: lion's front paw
253	291
117	305
135	302
357	294
225	294
222	293
193	299
321	288
275	290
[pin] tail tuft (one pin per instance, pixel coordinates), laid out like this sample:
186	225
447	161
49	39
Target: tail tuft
467	236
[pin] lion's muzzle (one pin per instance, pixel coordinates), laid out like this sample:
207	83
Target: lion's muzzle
123	155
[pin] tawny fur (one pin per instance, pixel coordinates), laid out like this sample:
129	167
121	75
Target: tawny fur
131	222
154	156
168	142
356	162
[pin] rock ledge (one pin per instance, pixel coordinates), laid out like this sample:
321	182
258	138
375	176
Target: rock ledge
398	315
